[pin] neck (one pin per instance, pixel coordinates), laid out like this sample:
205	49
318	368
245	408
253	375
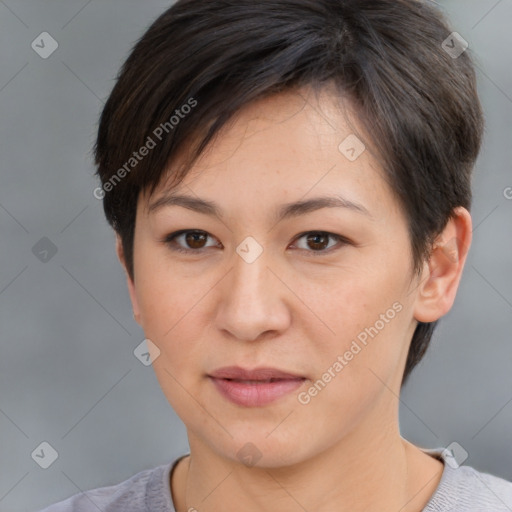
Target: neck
386	473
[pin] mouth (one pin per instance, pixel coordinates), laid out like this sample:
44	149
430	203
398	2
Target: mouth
254	388
261	381
262	374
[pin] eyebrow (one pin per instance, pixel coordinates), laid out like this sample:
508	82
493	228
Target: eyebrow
285	211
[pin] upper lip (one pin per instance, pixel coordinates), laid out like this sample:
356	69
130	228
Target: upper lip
262	373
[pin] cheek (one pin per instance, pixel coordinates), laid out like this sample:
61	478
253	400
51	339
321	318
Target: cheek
368	313
357	367
355	300
163	295
165	322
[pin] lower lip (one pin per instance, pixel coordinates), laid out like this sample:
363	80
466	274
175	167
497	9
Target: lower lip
255	394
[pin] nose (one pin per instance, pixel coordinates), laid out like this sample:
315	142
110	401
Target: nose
253	301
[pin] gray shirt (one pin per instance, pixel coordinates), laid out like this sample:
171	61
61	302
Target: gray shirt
462	489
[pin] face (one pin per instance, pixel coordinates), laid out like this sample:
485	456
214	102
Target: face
325	293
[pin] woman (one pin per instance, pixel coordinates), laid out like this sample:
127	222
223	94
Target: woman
289	182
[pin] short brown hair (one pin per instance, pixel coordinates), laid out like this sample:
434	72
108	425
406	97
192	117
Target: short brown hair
416	101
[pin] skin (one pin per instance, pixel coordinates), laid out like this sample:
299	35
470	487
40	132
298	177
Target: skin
297	307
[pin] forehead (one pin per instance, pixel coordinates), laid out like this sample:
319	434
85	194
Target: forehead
284	147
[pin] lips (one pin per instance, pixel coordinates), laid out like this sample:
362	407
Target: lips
254	388
256	375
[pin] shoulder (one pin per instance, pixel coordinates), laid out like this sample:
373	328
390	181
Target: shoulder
466	489
128	496
483	491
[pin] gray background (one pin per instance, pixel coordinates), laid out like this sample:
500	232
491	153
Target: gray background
68	374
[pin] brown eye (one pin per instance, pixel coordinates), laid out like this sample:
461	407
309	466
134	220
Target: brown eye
318	241
194	241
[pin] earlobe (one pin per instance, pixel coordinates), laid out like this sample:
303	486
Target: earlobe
129	281
442	273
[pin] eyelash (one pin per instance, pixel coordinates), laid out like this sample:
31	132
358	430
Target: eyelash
170	241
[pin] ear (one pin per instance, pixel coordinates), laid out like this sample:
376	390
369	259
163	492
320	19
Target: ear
441	274
129	282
